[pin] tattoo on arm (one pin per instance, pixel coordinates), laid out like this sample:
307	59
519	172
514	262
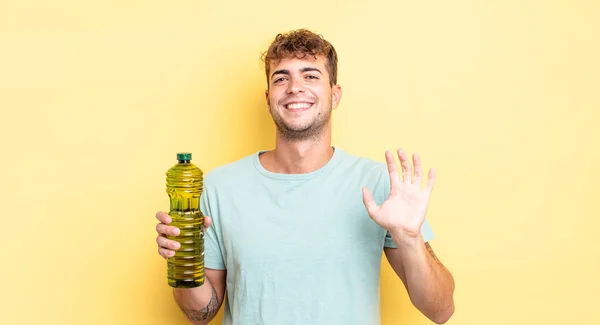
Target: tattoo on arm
205	313
430	250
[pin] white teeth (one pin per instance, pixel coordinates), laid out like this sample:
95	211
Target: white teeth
298	105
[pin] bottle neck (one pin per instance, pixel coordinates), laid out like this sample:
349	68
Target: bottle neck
184	161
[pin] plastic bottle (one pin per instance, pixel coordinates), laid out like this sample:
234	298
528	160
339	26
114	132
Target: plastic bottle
184	186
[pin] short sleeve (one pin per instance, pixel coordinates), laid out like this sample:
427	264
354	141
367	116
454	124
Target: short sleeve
213	254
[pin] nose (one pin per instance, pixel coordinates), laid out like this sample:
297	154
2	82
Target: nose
295	85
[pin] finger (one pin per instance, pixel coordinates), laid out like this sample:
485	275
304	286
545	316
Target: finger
163	217
163	229
418	170
207	221
392	169
370	204
405	165
430	180
166	253
166	243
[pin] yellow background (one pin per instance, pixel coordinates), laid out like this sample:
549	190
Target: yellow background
500	96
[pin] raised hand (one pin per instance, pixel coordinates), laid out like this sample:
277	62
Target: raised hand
403	212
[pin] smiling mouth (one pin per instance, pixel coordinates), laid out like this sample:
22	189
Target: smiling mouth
298	106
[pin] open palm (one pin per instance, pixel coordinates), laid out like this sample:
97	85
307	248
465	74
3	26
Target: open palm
403	212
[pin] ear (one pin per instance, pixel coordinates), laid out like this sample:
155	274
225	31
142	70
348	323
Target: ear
267	96
336	96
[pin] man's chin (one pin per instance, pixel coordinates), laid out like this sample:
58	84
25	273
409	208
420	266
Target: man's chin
301	133
297	128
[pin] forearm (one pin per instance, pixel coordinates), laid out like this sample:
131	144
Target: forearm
429	283
200	304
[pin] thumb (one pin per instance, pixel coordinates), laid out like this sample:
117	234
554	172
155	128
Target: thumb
369	202
207	221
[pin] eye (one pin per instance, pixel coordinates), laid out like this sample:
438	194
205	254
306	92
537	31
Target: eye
310	76
278	80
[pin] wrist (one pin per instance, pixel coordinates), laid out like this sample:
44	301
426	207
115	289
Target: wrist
406	239
193	298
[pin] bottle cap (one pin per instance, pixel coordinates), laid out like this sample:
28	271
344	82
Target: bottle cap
184	156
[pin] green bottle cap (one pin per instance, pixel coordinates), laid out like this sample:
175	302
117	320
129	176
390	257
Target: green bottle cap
184	156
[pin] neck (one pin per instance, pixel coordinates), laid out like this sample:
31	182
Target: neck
298	157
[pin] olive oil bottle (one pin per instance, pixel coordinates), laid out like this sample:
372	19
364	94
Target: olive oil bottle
184	186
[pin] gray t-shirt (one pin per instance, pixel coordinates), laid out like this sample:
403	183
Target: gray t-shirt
298	248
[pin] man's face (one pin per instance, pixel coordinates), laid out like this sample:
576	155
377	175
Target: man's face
300	97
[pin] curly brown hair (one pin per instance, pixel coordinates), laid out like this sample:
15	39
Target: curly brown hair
301	43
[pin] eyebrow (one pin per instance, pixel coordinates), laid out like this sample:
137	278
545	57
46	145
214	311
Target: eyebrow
287	72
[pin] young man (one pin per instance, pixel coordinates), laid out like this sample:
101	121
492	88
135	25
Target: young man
295	234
